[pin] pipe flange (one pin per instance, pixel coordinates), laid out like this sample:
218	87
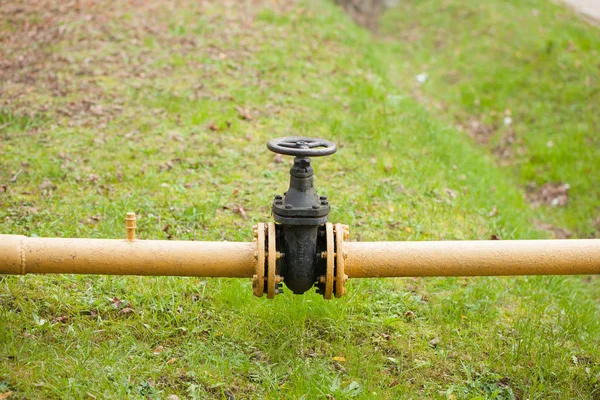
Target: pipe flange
258	280
330	261
273	279
266	277
342	232
335	278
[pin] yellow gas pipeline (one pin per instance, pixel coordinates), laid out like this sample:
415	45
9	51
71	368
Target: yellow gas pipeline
25	255
301	250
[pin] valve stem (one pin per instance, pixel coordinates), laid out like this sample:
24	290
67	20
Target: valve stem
130	226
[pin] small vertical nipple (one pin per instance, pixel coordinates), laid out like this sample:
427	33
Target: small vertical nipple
130	225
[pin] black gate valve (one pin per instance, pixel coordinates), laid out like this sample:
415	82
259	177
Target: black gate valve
301	213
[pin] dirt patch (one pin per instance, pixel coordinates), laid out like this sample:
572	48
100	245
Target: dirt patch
65	59
552	194
38	78
364	12
555	194
557	232
479	131
30	30
505	149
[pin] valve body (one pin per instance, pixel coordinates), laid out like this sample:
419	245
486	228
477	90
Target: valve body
301	214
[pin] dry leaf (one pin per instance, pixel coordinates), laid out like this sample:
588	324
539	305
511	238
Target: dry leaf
127	310
168	165
96	109
47	185
236	208
5	395
244	113
92	220
158	350
451	193
15	176
175	137
117	302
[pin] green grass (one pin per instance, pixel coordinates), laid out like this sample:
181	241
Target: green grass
169	144
533	61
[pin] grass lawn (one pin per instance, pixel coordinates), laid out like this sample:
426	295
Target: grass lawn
165	110
522	78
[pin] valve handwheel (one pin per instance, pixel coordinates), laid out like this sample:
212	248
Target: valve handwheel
301	146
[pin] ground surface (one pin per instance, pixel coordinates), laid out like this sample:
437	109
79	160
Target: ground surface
165	110
588	8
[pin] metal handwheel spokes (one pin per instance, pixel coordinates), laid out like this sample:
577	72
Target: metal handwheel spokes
301	146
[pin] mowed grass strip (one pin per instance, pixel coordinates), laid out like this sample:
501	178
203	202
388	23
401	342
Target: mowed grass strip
166	111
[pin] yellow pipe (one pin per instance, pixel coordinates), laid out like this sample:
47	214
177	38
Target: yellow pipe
472	258
24	255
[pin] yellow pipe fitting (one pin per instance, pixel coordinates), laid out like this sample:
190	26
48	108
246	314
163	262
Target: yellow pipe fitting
472	258
23	255
130	226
